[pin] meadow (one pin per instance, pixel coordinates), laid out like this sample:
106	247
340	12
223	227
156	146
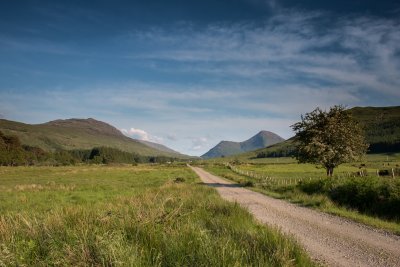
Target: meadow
356	191
145	215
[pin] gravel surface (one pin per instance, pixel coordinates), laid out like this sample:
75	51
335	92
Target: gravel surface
330	240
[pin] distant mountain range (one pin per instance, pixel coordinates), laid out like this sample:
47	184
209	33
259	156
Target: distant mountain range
82	134
229	148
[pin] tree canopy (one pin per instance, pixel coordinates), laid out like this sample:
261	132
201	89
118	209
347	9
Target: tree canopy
329	138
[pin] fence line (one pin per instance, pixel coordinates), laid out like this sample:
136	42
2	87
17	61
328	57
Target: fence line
269	180
266	179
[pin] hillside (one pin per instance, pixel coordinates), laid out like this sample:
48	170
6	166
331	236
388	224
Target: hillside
381	126
228	148
79	134
158	146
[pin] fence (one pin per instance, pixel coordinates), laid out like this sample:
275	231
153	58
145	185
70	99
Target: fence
264	179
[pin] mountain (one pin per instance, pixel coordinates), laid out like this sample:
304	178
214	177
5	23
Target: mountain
381	126
228	148
158	146
81	134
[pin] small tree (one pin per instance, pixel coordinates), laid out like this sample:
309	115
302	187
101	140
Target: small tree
329	138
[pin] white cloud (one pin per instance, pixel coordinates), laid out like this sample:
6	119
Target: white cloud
136	133
199	143
141	135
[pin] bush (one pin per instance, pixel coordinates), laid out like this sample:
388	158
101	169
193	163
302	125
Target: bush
360	193
313	187
371	195
179	180
248	184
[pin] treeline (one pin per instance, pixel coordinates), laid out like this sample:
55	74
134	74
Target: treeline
14	153
383	136
284	149
289	152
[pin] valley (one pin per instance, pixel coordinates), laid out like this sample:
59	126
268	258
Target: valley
254	133
79	192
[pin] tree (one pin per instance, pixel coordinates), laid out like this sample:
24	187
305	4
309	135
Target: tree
329	138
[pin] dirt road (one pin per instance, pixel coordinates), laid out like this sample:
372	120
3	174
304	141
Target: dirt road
330	240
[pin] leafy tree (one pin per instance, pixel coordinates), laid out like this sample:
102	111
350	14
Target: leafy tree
329	138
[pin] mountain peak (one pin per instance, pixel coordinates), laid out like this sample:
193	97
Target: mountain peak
89	125
228	148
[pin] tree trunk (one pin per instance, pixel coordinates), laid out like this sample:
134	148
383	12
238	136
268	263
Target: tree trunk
329	171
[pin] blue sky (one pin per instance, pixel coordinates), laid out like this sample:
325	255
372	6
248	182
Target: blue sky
189	74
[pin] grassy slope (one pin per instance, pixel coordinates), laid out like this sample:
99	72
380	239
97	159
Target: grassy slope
224	148
129	216
51	137
382	126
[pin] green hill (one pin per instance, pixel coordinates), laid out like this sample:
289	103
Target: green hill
79	134
381	126
228	148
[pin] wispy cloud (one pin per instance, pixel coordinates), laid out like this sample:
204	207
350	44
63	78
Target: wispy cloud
296	47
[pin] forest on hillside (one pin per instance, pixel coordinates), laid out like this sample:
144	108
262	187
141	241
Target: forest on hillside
14	153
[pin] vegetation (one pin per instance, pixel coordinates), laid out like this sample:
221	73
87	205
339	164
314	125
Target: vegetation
81	134
381	126
328	138
368	195
356	192
129	216
283	149
13	153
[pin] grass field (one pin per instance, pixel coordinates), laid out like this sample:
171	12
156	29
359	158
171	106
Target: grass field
377	197
129	216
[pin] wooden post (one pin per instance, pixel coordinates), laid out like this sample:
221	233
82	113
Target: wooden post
393	173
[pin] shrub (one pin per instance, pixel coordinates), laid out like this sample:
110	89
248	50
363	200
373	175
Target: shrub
313	187
371	195
248	184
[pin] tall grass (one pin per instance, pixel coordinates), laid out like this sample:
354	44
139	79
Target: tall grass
171	221
370	200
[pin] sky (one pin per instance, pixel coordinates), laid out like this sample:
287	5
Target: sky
188	74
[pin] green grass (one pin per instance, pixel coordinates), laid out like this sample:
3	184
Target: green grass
283	182
129	216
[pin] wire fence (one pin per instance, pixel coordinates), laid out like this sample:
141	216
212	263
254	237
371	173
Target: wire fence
265	179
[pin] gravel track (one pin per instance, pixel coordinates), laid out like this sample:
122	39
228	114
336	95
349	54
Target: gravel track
329	240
